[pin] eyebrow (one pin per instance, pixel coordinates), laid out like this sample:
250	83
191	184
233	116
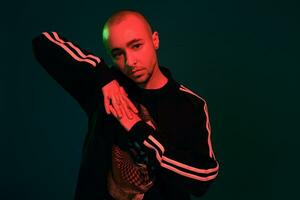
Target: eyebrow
128	44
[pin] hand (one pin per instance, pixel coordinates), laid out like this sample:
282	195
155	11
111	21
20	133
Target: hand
127	122
116	101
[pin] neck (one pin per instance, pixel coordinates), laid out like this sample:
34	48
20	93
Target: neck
156	81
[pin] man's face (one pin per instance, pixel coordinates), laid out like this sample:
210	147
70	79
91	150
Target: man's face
132	47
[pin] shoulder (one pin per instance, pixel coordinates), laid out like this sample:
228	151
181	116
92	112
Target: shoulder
191	96
195	104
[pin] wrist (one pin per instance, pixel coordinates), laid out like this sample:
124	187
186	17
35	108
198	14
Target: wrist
132	124
140	131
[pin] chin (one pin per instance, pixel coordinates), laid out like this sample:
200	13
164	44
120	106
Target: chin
140	80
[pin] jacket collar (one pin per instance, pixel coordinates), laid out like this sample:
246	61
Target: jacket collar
133	89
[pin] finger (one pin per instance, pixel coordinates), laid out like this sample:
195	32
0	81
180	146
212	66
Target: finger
123	91
116	107
131	105
113	111
118	99
126	108
106	105
127	111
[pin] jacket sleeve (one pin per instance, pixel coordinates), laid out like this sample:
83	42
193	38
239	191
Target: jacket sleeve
75	69
188	164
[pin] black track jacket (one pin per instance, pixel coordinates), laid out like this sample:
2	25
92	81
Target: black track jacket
179	149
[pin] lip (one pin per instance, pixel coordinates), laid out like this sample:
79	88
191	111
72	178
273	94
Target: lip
135	71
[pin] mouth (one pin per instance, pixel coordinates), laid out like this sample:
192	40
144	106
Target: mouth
138	71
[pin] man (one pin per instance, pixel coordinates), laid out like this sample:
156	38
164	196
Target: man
151	139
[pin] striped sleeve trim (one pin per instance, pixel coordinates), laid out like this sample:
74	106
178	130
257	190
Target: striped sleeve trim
72	50
207	123
179	167
189	175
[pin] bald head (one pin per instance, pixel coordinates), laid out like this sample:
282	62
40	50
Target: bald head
121	16
131	44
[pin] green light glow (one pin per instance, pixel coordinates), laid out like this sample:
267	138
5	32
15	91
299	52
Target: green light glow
105	33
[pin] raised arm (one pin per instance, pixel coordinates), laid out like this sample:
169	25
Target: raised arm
78	71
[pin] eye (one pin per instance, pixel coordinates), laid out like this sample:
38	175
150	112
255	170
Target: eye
117	55
136	46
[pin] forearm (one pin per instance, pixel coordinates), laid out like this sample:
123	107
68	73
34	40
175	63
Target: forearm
190	169
65	60
78	71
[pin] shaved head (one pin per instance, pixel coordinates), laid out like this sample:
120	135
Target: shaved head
131	44
119	17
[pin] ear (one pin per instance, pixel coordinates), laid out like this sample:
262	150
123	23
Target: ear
155	39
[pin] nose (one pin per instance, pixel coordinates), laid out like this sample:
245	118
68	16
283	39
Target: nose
130	60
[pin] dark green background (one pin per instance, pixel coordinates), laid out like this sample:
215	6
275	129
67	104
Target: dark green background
242	56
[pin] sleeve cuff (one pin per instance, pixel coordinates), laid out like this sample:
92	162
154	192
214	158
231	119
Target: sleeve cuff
104	73
140	131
